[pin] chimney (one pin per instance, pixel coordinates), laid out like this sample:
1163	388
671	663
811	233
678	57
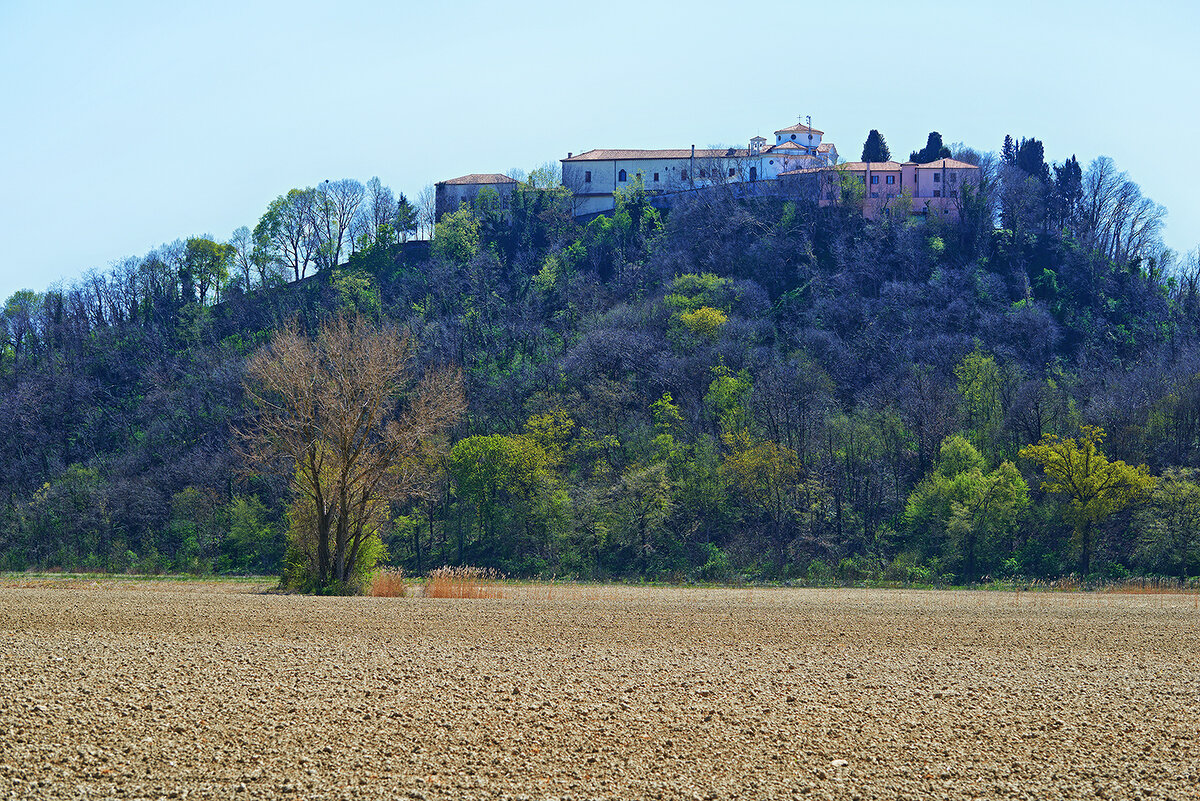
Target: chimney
568	154
693	151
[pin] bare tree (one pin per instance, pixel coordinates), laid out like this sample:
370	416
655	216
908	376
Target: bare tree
426	212
342	416
242	242
1117	220
336	208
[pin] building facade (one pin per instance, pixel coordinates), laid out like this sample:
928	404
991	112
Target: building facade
597	175
890	187
452	195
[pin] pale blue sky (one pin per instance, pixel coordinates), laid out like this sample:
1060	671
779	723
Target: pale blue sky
130	123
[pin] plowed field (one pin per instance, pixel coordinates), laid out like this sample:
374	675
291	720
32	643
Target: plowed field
169	689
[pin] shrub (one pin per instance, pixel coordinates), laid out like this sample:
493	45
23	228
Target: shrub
389	583
462	582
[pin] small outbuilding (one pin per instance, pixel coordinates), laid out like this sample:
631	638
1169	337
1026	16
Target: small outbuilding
456	193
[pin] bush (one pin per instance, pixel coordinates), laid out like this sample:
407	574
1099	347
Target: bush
389	583
462	582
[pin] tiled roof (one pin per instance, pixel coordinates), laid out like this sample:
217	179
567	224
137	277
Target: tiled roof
799	128
951	164
789	145
873	166
825	147
481	178
681	153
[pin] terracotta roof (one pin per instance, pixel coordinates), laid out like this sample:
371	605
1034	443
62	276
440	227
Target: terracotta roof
681	153
789	145
948	164
799	128
825	147
481	178
874	166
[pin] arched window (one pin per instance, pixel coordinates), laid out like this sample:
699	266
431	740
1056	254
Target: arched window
622	177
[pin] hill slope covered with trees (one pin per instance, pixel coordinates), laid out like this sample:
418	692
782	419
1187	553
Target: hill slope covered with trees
753	388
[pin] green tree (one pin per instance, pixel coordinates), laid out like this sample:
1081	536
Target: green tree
1094	488
207	264
933	150
252	544
456	237
967	516
875	148
1170	525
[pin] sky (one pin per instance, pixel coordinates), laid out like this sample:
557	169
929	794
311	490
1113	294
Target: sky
131	123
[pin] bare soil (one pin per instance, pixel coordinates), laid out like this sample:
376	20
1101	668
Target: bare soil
217	690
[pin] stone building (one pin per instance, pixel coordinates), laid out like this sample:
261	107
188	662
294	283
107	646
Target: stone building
452	195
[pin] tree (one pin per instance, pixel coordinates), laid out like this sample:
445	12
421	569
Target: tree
207	264
1093	487
456	238
335	212
933	150
341	415
287	232
965	513
875	148
1170	537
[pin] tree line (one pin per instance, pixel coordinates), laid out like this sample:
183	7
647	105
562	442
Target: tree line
744	388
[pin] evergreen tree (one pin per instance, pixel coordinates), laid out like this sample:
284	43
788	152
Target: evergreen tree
1009	153
1031	157
934	150
875	148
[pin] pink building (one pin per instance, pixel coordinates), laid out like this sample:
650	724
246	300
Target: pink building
886	187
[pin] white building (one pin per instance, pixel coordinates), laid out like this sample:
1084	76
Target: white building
595	176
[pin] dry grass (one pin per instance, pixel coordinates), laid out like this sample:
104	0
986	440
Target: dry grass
389	583
463	582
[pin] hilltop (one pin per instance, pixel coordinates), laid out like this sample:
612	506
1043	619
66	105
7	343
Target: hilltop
741	387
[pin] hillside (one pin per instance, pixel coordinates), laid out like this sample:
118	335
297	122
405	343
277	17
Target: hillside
742	388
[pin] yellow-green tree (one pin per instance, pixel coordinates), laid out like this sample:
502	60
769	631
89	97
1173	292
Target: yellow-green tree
1094	488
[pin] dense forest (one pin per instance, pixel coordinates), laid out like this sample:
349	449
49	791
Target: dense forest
739	389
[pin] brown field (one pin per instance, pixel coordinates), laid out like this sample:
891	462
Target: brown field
169	689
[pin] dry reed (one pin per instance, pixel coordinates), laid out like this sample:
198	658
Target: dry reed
389	583
463	582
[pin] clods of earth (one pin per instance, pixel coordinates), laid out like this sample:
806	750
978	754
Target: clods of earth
147	689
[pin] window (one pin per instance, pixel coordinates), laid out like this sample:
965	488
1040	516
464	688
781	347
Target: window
772	161
874	194
937	193
622	177
891	179
793	137
683	174
656	177
587	177
704	173
952	177
731	172
874	179
937	176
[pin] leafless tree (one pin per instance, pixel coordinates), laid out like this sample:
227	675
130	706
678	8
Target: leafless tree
336	208
242	242
426	212
343	417
1117	220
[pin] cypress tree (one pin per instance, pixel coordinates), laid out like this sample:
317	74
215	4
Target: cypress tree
875	148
